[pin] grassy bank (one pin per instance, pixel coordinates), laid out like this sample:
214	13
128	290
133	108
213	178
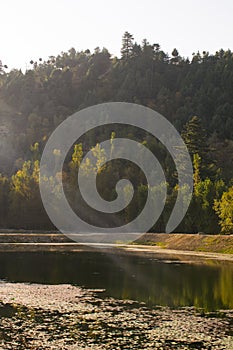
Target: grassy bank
34	241
193	242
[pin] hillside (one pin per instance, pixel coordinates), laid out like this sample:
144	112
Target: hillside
196	95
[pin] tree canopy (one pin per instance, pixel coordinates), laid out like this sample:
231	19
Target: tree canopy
196	95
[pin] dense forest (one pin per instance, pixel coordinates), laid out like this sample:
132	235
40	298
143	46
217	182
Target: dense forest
195	95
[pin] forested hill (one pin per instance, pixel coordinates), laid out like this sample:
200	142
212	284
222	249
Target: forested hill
196	95
33	103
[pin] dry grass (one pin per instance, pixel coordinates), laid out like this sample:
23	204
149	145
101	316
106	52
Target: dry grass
194	242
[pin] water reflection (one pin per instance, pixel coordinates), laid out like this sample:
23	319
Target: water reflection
156	282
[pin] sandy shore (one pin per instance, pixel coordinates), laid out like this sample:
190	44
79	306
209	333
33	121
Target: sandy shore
184	253
184	246
144	250
68	317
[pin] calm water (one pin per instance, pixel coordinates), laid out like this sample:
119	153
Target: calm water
155	282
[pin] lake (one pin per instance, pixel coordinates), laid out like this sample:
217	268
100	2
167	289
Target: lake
150	279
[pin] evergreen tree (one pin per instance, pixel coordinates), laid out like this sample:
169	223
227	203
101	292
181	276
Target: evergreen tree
195	138
127	45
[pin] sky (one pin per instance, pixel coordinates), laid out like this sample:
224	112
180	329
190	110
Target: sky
33	29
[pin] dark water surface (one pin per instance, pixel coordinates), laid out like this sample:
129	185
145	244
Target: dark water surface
156	282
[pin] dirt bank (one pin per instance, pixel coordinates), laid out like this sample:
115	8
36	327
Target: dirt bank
195	245
194	242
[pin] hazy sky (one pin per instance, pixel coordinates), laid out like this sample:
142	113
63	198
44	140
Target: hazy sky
33	29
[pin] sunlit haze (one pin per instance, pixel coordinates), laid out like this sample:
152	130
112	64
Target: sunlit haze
33	29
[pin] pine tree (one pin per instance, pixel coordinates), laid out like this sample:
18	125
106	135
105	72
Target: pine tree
127	45
194	136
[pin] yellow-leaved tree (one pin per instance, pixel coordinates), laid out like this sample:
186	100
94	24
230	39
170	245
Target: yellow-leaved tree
224	209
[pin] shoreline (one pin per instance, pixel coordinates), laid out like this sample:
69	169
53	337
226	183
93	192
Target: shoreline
184	246
135	249
184	253
67	317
